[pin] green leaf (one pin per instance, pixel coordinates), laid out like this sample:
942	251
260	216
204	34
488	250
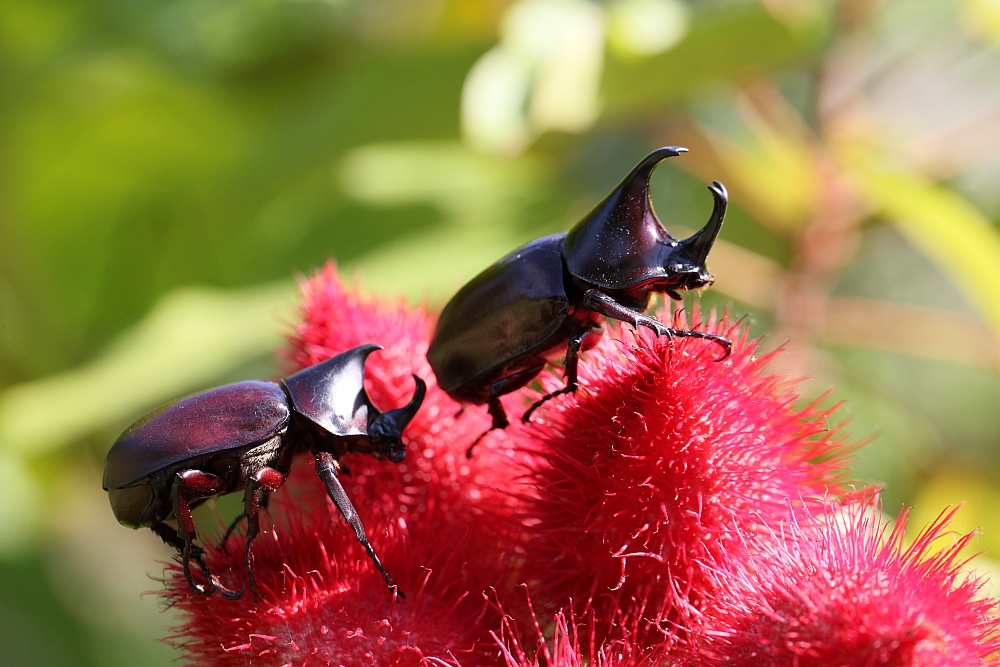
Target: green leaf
946	228
195	335
192	336
722	47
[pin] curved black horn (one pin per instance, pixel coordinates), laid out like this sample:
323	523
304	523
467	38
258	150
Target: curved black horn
393	422
695	248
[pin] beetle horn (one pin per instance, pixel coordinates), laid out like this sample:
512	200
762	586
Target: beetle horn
392	422
635	186
695	248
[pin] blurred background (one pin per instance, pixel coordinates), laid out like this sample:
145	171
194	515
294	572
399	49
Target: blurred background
168	167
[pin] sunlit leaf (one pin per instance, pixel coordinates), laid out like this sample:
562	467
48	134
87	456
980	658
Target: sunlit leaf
472	188
773	173
192	336
722	47
642	28
20	505
946	228
979	498
543	75
982	18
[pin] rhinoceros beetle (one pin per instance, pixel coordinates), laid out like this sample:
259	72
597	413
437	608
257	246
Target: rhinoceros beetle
244	436
496	333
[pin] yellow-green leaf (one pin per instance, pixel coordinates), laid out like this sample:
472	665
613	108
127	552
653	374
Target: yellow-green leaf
945	227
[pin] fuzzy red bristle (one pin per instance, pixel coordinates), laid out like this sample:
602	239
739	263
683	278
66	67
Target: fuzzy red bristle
335	318
559	643
667	500
437	515
650	465
844	590
322	603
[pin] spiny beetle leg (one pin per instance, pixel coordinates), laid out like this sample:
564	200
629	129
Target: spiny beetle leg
259	487
727	345
229	531
172	539
327	469
191	485
603	304
495	407
199	557
571	366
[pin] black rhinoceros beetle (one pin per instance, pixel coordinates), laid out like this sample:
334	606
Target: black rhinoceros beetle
243	436
496	333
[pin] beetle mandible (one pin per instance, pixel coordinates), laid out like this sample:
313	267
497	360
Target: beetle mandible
243	436
497	332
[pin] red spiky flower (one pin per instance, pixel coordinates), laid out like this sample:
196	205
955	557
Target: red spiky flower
321	604
650	465
336	318
440	522
658	501
559	644
844	590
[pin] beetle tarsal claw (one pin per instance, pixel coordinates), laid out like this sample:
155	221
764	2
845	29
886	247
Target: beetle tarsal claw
228	593
215	584
190	552
725	343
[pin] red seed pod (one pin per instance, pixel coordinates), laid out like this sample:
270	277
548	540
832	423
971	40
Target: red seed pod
843	589
442	524
651	465
321	603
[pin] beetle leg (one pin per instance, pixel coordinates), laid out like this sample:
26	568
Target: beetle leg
499	388
603	304
236	522
191	485
495	410
170	537
570	366
229	531
327	469
260	485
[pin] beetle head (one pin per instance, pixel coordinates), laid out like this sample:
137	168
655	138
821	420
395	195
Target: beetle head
387	427
622	245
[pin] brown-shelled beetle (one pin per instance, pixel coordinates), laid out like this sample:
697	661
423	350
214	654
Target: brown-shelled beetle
497	332
244	436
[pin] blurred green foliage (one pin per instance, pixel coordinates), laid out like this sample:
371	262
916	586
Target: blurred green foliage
166	169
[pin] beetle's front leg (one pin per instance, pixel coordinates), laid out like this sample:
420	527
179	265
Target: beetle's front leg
259	487
601	303
327	469
190	485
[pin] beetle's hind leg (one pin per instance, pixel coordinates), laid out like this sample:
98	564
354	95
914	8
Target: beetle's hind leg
327	469
260	486
570	373
190	485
